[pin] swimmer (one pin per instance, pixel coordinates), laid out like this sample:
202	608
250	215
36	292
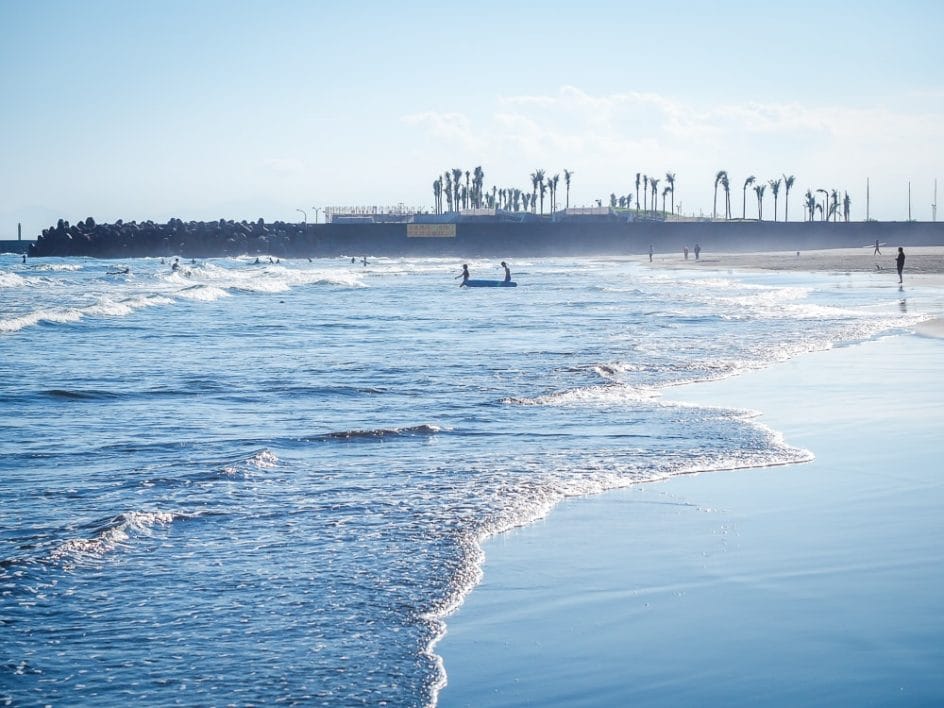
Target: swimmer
176	265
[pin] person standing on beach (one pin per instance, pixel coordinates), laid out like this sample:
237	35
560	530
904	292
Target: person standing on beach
464	274
685	251
650	253
697	251
900	262
877	251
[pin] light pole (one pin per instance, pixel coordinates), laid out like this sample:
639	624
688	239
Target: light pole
304	214
317	210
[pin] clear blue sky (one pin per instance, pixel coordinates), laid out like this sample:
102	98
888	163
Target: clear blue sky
205	109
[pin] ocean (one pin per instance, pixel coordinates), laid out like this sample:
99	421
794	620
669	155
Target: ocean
267	482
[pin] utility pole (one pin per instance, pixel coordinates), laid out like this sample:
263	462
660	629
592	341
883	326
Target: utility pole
867	202
909	200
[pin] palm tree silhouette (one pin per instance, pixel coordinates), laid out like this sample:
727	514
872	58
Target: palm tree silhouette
759	190
747	183
567	175
448	188
670	179
846	204
788	185
537	178
825	202
810	203
834	205
553	182
654	183
456	184
542	186
437	196
775	190
727	195
645	192
714	208
665	191
637	191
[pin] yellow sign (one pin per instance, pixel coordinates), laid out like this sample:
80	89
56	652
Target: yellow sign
431	230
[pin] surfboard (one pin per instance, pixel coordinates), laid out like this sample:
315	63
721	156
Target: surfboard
491	284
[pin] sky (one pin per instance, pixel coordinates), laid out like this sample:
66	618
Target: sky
205	109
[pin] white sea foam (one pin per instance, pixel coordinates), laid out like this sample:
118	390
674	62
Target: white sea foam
116	532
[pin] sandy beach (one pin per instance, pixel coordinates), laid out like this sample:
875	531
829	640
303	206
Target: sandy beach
809	584
919	261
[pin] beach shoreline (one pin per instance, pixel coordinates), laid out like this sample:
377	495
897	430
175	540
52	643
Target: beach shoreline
796	584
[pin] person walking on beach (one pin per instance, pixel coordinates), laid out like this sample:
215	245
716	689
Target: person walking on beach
685	251
464	274
697	251
877	251
507	272
900	262
650	253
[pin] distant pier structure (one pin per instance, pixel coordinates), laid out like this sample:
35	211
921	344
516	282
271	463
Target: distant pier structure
18	246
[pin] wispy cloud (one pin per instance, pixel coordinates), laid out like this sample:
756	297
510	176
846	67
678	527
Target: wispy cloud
607	136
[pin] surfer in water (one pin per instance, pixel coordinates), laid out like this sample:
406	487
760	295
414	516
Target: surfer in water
507	272
464	274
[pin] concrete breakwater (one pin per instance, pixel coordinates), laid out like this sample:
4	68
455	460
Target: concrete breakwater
484	238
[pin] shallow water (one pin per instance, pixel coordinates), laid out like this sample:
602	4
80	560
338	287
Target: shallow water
257	483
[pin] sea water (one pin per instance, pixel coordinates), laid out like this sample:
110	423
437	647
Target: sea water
245	482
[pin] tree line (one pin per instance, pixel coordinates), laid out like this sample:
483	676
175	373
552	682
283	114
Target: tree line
458	189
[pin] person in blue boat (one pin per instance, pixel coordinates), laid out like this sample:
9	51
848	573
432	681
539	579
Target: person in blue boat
507	272
464	274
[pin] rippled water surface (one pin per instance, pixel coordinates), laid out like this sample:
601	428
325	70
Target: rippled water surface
245	483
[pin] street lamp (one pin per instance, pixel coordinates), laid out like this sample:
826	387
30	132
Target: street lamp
304	214
317	209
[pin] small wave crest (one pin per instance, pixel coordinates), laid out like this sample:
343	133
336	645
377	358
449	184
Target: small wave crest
606	395
112	533
261	460
377	433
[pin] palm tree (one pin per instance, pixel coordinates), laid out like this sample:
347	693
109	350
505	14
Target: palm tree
449	196
727	195
718	177
554	180
654	183
613	200
637	191
542	185
810	203
788	185
759	190
477	184
526	197
834	205
645	192
825	201
437	196
537	177
456	183
775	190
670	179
747	183
667	190
846	204
567	175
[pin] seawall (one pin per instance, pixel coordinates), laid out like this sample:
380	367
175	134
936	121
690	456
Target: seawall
14	246
475	238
